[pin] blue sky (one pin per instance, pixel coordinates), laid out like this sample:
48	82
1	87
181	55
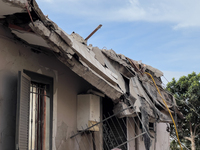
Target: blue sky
162	33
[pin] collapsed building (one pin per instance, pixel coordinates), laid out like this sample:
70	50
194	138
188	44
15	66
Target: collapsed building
57	92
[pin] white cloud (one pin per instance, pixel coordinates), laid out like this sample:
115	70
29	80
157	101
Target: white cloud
182	13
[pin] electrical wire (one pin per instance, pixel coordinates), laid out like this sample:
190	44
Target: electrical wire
192	108
181	143
167	108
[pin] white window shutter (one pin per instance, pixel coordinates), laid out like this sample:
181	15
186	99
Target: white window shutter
22	117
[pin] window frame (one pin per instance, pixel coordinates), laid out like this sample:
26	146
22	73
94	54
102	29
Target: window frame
39	78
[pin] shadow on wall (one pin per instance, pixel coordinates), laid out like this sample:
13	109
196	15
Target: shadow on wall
8	101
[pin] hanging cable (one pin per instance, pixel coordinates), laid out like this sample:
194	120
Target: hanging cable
167	108
192	108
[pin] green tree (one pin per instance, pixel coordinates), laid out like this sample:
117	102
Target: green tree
174	145
187	92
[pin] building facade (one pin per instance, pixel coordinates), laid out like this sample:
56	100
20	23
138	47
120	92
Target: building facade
58	93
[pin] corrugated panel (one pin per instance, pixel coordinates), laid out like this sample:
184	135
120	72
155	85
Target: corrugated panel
22	122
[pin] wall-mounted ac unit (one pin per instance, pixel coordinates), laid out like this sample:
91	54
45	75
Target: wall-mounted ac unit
88	111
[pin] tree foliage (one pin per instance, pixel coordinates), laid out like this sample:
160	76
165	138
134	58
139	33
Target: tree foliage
174	145
186	90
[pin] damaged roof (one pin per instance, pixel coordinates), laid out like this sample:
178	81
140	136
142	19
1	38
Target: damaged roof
115	75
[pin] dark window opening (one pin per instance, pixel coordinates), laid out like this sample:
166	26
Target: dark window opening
127	82
151	126
114	129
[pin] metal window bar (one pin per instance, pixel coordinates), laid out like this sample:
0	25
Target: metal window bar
37	130
115	134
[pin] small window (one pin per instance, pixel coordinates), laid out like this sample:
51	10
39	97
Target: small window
151	126
34	112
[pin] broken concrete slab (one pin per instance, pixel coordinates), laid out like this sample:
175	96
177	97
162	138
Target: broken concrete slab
96	80
64	36
113	74
40	28
5	8
31	38
82	51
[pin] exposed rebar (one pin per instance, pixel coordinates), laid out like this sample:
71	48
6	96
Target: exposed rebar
93	32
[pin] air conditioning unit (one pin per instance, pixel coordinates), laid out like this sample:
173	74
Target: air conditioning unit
88	112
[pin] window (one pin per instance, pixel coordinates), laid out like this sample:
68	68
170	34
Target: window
39	117
114	128
34	112
151	126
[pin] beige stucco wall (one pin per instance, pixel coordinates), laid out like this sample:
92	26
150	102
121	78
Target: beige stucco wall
14	57
162	139
131	133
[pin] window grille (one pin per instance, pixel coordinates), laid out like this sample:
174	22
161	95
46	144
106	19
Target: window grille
113	134
39	122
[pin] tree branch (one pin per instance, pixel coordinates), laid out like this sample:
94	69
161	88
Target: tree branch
188	138
196	128
191	133
197	135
